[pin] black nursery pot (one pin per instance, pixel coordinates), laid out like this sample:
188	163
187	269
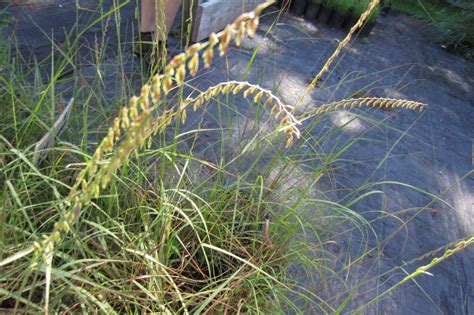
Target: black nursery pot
350	21
337	20
367	29
385	10
324	14
312	11
284	4
299	6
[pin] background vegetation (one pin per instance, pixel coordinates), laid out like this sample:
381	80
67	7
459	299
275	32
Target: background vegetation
452	22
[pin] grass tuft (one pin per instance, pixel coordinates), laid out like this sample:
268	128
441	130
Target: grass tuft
154	211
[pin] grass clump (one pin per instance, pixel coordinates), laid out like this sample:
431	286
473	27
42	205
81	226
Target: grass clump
181	234
151	219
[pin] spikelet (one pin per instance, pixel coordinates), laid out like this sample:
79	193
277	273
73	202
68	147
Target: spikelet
252	26
213	40
214	92
197	104
268	102
144	97
193	64
258	97
178	60
193	49
238	88
249	91
207	57
116	128
156	88
133	108
180	74
125	120
227	87
240	33
225	40
183	116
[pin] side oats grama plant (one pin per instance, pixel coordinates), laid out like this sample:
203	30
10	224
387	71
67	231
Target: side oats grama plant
171	243
137	124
